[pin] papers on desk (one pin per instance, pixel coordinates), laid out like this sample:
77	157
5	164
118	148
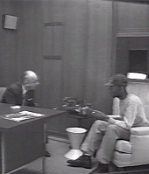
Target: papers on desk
20	116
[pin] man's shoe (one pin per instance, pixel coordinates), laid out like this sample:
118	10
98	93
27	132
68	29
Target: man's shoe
101	168
83	161
47	154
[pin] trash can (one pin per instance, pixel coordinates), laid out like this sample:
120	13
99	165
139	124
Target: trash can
76	136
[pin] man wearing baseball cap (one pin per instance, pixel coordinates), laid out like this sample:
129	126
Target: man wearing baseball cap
106	130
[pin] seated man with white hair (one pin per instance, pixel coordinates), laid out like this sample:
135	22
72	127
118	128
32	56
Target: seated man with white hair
22	92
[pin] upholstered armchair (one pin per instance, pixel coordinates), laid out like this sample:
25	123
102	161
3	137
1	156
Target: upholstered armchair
135	151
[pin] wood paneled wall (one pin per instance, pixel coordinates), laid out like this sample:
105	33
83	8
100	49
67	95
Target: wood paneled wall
8	44
98	57
85	63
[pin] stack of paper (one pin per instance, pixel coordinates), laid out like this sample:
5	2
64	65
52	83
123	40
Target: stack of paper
20	116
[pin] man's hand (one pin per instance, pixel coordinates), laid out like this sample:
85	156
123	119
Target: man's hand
100	115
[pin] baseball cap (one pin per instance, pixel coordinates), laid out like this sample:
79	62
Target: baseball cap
118	80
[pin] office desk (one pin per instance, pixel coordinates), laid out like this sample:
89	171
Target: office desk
22	142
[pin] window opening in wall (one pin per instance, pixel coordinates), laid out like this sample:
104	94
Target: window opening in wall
138	61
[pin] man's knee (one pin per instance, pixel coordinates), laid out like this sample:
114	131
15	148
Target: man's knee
118	131
99	125
112	128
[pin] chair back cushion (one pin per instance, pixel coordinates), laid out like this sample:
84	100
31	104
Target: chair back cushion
2	90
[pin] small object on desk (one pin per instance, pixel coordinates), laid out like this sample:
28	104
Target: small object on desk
15	108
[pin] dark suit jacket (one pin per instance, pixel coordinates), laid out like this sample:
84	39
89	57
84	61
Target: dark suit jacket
14	95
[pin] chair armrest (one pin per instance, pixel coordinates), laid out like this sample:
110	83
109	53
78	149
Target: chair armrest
139	131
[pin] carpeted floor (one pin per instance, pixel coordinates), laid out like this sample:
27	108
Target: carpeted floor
56	164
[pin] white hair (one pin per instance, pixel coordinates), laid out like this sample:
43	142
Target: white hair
29	77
